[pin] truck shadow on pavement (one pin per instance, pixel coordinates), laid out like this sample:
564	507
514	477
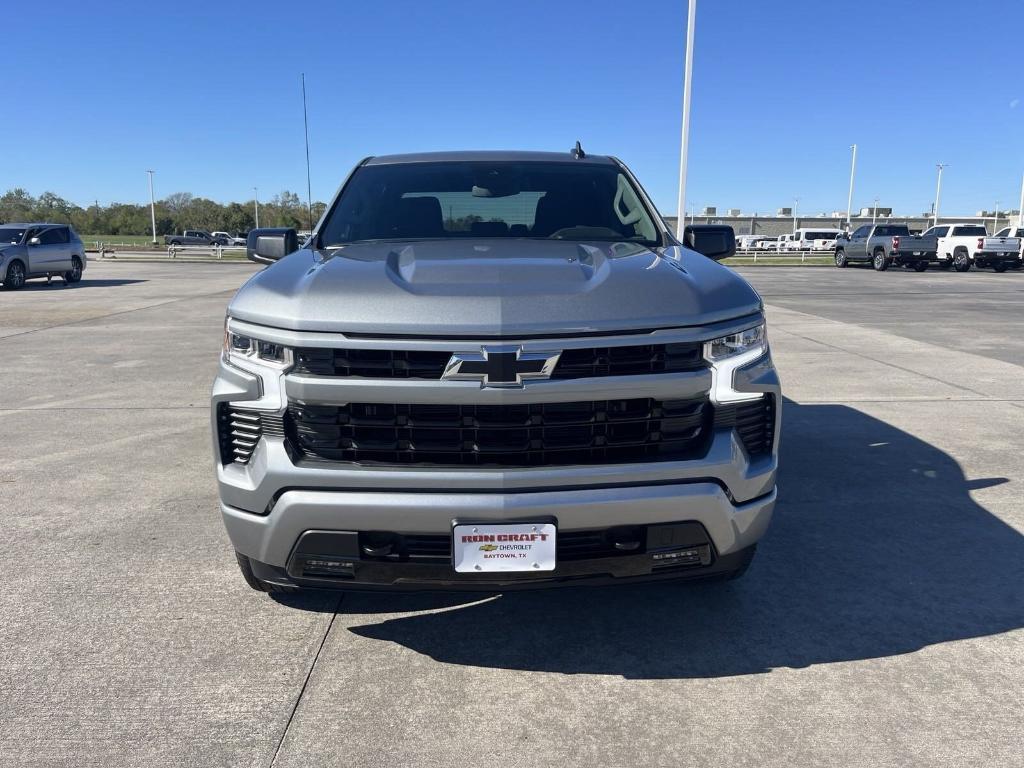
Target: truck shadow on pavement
876	549
58	284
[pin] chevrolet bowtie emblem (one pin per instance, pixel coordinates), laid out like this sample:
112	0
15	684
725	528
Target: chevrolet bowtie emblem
500	366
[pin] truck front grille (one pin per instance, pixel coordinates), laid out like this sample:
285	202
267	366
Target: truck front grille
539	434
633	360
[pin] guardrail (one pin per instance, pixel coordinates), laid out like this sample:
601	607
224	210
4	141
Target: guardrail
107	251
756	253
217	250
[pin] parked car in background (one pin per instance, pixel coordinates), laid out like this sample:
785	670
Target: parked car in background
39	249
196	237
813	239
223	238
781	244
1001	252
765	243
957	244
883	245
550	390
746	242
1010	232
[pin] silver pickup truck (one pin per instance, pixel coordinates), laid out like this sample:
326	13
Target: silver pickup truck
494	370
883	245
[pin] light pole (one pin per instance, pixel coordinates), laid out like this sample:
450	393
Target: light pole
938	191
256	202
684	141
995	219
874	213
796	207
152	205
849	198
1020	208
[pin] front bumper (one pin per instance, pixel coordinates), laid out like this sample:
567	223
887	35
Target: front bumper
271	540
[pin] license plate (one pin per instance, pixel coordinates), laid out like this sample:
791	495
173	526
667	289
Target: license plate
503	547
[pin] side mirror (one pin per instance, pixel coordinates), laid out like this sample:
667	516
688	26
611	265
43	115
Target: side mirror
267	245
33	241
716	241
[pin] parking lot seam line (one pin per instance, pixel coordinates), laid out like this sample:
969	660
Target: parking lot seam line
305	683
122	312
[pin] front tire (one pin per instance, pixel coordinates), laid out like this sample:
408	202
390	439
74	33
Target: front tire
15	278
879	262
961	261
841	261
74	275
921	266
999	267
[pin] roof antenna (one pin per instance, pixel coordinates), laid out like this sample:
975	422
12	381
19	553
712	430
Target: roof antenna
578	152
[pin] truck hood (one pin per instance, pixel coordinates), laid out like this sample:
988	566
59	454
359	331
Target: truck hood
492	287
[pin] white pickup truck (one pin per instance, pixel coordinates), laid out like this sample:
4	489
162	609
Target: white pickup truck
1001	251
957	244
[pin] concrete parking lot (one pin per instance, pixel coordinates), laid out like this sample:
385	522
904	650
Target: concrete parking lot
881	623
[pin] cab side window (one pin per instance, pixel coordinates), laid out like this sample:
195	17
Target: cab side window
53	236
861	231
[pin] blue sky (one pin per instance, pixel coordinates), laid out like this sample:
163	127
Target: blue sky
208	95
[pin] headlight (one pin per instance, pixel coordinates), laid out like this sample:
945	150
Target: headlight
239	348
736	344
728	353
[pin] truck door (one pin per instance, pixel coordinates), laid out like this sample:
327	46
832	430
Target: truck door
857	248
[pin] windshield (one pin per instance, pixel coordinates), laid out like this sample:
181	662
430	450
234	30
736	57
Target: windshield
9	235
562	201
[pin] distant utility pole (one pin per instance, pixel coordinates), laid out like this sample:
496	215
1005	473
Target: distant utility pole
938	191
796	207
849	198
684	143
305	123
874	213
152	205
995	219
256	202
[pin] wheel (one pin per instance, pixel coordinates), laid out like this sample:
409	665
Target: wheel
961	261
1000	267
74	275
175	242
250	578
879	262
920	266
15	276
841	259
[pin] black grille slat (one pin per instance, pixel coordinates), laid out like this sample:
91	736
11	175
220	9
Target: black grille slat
754	423
607	431
632	360
239	431
628	361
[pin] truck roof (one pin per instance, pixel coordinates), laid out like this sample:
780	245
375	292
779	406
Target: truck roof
488	156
